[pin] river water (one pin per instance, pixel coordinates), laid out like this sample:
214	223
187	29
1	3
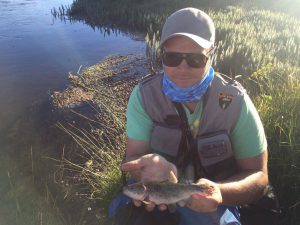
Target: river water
36	53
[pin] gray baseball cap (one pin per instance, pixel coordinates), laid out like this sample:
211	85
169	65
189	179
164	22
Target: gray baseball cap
192	23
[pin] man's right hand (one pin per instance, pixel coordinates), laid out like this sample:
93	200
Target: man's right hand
152	167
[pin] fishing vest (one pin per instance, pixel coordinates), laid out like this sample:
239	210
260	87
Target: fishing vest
222	105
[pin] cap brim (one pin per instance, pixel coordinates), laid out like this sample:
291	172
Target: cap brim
198	40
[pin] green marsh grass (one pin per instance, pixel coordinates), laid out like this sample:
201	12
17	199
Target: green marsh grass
98	166
277	99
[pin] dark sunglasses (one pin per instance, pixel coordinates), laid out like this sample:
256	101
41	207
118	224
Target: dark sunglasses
194	60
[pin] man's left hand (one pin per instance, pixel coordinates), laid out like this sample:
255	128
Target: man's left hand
205	202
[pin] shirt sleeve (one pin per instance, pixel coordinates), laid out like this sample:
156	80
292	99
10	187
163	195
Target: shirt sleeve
139	124
248	137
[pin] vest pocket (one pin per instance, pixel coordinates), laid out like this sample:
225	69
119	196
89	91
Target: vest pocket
216	155
165	139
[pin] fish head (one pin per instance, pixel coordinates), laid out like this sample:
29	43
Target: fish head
137	191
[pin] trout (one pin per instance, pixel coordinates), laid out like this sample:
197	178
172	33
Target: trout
164	192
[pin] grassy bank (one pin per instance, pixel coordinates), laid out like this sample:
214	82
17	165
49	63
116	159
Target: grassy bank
261	45
101	136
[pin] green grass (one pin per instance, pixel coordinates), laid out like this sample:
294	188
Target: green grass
23	200
277	98
101	159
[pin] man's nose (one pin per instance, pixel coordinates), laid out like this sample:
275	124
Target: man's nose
183	65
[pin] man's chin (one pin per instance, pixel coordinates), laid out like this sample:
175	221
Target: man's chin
185	82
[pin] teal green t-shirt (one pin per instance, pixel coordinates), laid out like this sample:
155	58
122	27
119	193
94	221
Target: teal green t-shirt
248	137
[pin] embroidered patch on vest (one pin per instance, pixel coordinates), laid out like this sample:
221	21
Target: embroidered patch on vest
225	100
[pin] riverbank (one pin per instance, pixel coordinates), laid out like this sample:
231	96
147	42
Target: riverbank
97	98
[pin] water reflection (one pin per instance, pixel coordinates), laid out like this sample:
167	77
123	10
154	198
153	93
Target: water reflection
65	14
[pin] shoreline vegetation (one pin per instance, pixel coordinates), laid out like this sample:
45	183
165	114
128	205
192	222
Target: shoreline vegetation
261	45
103	90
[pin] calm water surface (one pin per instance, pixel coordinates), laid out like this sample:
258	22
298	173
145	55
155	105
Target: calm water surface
36	54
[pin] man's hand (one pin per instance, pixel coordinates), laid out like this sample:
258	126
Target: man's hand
205	202
152	167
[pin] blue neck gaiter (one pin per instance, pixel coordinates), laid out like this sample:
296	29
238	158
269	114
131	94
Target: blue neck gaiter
187	94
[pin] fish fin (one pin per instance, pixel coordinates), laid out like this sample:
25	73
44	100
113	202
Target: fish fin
172	177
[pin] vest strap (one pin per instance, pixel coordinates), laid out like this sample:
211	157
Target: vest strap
188	146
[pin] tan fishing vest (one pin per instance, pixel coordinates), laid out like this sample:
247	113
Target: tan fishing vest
221	109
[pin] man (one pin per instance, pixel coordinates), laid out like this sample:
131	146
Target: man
223	145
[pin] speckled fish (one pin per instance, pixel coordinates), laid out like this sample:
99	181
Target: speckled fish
164	192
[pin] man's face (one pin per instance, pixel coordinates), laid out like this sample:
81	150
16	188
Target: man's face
184	75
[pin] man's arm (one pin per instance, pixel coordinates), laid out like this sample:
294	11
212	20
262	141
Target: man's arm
245	187
248	185
248	139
